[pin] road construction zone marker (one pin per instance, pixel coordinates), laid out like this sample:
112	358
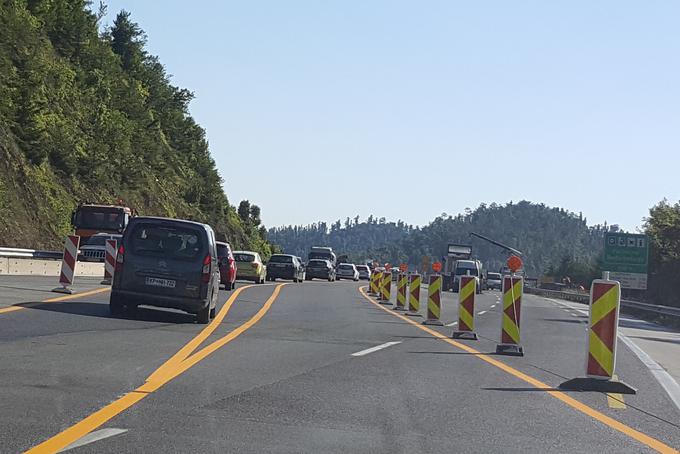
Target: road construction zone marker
110	261
414	295
374	288
402	284
68	264
466	308
386	287
513	286
434	301
605	300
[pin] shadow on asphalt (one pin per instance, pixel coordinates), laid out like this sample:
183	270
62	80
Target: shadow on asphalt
565	320
524	389
87	309
458	353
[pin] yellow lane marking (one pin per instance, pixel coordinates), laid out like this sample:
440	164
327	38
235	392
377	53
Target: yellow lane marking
575	404
615	400
185	351
118	406
20	306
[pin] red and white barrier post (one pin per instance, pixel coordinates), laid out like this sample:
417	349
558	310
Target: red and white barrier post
110	261
68	264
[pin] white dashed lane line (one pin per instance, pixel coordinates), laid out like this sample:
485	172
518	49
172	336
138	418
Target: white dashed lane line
376	348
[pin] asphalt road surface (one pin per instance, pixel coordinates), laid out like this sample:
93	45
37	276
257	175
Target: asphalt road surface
312	367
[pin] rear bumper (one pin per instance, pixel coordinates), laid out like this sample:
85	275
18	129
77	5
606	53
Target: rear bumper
248	276
317	274
228	276
191	305
281	273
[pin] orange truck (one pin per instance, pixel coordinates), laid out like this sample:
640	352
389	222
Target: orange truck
89	219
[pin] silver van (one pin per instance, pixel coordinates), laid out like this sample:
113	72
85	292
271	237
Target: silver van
167	262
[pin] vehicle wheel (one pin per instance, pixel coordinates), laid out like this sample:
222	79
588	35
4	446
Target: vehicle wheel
232	285
213	311
203	316
115	306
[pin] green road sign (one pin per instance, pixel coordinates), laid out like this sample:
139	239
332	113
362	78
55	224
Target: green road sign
626	252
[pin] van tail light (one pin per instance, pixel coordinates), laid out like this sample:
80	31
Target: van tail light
205	272
120	258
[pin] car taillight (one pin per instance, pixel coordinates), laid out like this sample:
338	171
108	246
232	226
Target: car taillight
120	257
205	272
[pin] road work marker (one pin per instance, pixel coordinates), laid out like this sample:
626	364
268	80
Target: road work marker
402	284
376	348
68	264
513	286
374	286
605	300
466	308
110	261
386	287
434	300
414	295
579	406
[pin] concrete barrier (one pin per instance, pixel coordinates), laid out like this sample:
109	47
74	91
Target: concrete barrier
37	267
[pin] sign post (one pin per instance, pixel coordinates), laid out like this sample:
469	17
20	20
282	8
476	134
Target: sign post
626	259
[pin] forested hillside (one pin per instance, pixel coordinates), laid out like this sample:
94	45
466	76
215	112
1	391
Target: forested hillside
91	116
549	237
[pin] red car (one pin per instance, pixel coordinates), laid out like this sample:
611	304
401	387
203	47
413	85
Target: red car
227	265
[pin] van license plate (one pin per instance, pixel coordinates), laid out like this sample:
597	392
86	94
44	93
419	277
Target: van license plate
157	282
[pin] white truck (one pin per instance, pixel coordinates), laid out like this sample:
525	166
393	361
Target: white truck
459	262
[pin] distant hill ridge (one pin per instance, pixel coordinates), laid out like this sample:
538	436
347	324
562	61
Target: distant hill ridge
547	236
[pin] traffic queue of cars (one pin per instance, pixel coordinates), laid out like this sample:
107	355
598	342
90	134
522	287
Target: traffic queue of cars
178	264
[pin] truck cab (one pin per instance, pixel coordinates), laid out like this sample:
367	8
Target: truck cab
90	219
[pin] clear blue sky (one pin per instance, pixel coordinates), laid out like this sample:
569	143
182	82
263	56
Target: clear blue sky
322	110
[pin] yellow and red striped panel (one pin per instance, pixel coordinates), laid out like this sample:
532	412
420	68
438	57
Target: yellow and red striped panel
604	313
466	303
434	290
512	305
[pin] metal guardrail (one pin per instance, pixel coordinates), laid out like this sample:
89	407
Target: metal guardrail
12	252
585	299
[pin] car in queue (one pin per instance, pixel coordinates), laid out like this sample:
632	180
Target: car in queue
494	281
319	269
468	268
249	266
169	263
93	249
395	274
227	265
364	272
285	266
347	271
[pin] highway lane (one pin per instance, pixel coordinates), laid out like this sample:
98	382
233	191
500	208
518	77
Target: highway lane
290	383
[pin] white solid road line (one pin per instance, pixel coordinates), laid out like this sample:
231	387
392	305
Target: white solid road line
665	379
376	348
94	436
667	382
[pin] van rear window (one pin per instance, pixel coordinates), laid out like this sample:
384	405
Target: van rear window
167	241
281	259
